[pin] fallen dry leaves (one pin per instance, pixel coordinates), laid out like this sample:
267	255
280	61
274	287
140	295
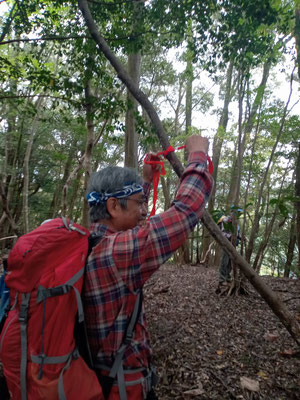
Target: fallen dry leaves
210	347
249	384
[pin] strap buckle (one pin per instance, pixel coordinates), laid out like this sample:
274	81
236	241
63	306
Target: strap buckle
23	314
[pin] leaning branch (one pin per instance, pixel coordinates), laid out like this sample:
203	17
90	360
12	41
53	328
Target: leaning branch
44	38
274	302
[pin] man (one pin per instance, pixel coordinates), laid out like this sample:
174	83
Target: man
226	225
129	252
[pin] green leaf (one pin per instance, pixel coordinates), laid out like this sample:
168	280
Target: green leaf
35	63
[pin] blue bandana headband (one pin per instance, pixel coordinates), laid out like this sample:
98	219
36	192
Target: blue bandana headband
95	198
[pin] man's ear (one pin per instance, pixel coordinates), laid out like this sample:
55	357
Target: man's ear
113	207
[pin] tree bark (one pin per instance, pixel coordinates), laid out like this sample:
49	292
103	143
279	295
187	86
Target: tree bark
297	203
185	250
274	302
88	149
217	146
134	70
76	171
291	248
218	138
56	200
33	130
131	148
5	207
268	231
297	32
165	183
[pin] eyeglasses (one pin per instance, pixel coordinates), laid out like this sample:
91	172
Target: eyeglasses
142	203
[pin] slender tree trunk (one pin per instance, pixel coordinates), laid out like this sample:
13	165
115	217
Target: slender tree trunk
219	137
297	204
165	183
245	202
263	245
186	254
217	146
297	32
134	70
33	131
76	193
6	210
291	248
56	200
274	302
89	149
76	170
269	227
236	183
131	158
234	192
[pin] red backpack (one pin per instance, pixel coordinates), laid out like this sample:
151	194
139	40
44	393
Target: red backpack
37	346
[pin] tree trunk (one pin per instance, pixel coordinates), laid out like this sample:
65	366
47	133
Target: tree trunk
274	302
88	150
131	158
76	193
217	146
236	184
76	171
297	32
269	228
165	183
134	70
291	248
218	138
184	252
56	200
33	131
297	203
5	207
245	224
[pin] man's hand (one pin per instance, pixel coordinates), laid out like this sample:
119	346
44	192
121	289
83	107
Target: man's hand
148	171
197	143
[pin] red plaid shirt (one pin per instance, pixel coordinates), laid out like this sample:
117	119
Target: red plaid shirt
123	261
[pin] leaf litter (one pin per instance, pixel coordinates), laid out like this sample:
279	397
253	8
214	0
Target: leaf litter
217	347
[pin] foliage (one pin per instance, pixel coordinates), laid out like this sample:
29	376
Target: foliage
46	53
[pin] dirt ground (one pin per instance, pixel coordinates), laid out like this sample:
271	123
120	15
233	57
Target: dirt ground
208	346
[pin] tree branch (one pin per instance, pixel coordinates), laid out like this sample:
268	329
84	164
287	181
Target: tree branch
8	22
60	38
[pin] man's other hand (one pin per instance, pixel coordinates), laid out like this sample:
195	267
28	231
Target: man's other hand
197	143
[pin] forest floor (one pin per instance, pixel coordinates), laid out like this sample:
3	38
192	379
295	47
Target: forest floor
208	346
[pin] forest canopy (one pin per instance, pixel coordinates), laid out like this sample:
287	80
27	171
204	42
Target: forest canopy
226	69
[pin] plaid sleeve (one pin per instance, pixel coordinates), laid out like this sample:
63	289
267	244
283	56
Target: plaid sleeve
138	252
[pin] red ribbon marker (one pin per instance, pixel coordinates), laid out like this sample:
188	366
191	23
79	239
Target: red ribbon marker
154	160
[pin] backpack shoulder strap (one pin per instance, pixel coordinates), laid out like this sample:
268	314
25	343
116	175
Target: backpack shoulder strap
80	331
117	368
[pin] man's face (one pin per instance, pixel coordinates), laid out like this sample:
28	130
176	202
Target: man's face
134	214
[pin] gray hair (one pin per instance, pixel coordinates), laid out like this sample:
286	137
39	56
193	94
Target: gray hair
110	179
